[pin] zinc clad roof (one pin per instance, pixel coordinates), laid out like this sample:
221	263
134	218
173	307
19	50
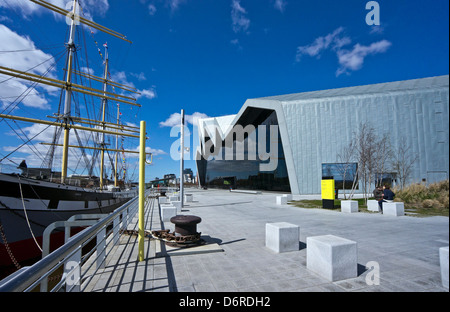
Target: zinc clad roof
398	86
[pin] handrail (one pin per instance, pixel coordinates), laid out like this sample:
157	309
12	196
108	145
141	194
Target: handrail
29	276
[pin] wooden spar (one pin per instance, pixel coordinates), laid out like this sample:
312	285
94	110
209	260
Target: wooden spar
83	20
57	124
65	119
98	123
67	85
110	82
96	148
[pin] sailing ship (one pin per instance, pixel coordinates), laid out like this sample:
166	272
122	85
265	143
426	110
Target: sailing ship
33	198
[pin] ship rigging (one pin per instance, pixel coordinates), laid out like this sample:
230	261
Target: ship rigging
35	197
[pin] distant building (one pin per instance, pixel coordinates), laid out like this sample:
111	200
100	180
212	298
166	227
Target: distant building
188	175
171	178
312	128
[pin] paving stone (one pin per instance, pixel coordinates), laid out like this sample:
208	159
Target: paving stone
406	249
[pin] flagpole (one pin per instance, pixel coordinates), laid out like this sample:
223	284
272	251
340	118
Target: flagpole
182	159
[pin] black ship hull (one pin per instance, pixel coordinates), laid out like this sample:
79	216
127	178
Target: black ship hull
28	206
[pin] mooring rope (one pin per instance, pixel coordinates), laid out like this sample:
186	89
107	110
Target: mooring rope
26	215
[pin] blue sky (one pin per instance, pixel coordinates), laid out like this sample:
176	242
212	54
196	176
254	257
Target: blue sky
208	56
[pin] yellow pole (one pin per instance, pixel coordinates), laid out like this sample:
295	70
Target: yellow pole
65	155
67	103
116	166
141	191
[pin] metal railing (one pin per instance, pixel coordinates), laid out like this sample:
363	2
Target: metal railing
69	256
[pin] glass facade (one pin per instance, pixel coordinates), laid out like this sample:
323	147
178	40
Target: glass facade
341	173
239	168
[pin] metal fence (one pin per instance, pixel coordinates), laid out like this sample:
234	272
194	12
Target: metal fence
65	268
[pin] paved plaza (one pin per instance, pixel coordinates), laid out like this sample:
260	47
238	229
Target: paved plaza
405	249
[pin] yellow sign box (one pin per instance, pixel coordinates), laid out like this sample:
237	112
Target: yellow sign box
328	189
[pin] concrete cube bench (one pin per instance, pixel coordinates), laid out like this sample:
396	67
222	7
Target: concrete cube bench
188	198
281	200
167	212
443	260
163	200
394	209
349	206
372	205
282	236
288	196
174	198
177	204
332	257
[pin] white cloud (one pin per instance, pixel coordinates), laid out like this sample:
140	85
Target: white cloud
175	119
240	22
131	124
87	70
154	151
95	7
335	40
235	42
151	9
280	5
14	91
34	154
148	149
5	19
146	93
151	6
354	59
174	4
349	60
377	29
121	77
90	7
25	58
26	7
140	76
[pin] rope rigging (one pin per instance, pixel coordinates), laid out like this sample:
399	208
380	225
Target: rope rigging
81	103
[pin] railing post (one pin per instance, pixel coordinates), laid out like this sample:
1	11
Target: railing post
101	246
72	272
141	191
116	229
125	219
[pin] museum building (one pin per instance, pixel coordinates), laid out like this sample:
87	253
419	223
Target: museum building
291	142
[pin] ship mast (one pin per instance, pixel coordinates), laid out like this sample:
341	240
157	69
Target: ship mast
65	120
116	164
68	95
104	103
